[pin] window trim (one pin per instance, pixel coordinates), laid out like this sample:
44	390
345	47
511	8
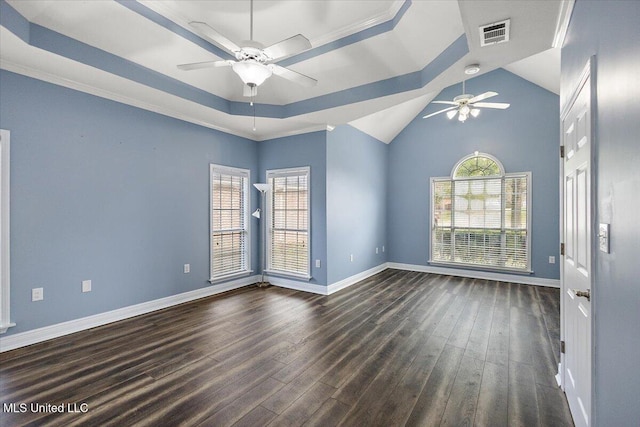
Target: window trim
503	176
5	264
244	173
303	170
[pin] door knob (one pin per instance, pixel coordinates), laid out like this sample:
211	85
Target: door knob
586	294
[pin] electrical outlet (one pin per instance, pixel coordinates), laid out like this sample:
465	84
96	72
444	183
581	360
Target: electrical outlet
187	268
317	263
552	260
37	294
376	250
351	257
86	286
382	248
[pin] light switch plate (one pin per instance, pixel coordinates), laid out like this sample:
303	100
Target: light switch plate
86	286
603	238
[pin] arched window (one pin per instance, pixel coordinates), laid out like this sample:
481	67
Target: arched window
481	216
477	164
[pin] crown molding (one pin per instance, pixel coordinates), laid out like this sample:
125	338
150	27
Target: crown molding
566	9
356	27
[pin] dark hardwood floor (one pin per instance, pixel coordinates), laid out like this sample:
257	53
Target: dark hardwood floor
400	348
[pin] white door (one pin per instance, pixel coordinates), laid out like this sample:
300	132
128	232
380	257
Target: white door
577	142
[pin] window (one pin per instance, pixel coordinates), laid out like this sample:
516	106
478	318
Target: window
229	222
481	216
288	222
5	318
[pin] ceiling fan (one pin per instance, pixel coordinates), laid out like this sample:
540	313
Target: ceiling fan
254	63
465	105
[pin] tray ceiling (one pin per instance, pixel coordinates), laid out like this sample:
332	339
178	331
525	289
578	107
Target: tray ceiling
372	59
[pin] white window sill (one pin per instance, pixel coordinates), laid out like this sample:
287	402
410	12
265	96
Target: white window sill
226	277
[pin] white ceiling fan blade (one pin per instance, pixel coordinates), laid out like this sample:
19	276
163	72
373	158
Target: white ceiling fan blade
498	105
482	97
205	64
294	76
438	112
213	36
287	47
444	102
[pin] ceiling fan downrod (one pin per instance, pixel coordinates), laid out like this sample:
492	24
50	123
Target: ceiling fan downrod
251	22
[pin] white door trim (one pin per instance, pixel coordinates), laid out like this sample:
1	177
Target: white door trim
5	275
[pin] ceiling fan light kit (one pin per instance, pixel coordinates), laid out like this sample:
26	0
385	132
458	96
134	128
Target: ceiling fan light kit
251	72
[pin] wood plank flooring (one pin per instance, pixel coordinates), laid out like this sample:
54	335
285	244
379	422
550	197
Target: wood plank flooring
400	348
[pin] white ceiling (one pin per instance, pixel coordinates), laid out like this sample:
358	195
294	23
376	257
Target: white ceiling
378	63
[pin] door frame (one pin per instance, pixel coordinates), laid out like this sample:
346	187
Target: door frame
588	72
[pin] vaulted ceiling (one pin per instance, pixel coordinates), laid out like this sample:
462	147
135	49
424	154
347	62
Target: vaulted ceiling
377	63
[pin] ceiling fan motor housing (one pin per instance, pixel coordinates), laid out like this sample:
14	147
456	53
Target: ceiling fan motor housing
464	98
252	53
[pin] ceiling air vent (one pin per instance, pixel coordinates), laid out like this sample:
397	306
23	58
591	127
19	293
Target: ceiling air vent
497	32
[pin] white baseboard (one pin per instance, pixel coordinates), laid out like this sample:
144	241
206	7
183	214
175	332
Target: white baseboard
34	336
352	280
478	274
326	290
297	285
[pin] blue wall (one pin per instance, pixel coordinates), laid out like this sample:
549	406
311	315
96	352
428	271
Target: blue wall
119	195
107	192
304	150
524	138
356	202
611	31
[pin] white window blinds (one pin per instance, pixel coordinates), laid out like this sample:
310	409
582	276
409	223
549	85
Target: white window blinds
288	234
229	213
481	221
